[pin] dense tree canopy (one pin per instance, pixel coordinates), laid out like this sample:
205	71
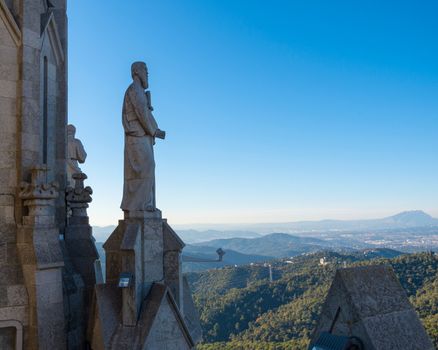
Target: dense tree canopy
240	309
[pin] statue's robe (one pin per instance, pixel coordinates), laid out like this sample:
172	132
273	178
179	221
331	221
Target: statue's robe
76	155
139	172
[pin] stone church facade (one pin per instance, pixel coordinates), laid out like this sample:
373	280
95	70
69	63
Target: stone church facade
51	294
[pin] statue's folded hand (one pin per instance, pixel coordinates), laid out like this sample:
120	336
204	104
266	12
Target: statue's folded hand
160	134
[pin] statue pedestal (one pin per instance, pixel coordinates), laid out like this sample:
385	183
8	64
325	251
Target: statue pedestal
156	214
79	241
135	248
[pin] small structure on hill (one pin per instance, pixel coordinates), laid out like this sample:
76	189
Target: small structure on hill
323	261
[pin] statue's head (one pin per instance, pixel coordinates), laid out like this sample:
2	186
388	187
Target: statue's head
140	70
71	130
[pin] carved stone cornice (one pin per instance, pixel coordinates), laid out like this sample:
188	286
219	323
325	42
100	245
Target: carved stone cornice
78	197
39	197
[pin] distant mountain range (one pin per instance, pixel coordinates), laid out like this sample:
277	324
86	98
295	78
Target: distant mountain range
101	233
278	245
231	257
407	231
193	236
407	219
205	232
202	252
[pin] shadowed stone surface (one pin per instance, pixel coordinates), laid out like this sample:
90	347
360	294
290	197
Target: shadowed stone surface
372	305
41	294
151	251
7	338
160	324
75	154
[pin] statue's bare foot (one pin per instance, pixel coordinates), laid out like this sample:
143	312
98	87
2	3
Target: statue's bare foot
150	208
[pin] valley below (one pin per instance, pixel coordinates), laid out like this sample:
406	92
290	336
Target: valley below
267	291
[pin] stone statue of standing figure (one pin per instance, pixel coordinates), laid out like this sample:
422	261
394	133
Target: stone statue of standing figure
141	129
76	154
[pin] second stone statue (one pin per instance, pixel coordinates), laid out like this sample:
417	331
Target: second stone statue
141	129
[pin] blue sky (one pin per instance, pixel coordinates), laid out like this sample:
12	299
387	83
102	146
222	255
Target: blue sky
274	110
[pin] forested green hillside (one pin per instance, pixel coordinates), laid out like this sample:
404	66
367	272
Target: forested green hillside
240	309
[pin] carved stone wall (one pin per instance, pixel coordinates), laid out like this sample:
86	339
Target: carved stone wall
33	114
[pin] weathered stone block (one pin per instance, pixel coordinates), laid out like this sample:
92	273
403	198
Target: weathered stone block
50	294
8	54
8	106
9	123
3	253
30	89
171	263
78	229
32	38
81	248
113	267
46	220
6	199
30	73
8	88
31	55
10	274
51	329
32	18
12	254
17	295
14	313
9	156
30	158
7	232
5	37
3	296
27	255
48	254
8	144
8	71
8	180
46	277
7	214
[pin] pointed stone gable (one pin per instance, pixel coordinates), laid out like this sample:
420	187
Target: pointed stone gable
160	326
50	29
166	332
10	24
172	242
368	302
164	323
191	315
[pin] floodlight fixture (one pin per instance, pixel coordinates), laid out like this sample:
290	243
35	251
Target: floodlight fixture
125	280
328	341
